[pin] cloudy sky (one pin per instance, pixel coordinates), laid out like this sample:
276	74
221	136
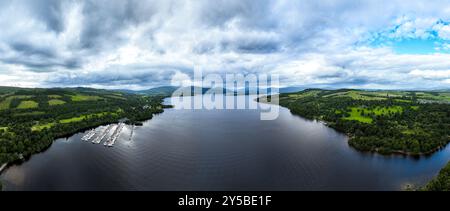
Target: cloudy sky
391	44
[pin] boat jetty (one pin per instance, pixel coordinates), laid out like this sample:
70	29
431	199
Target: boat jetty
89	135
112	139
102	135
132	131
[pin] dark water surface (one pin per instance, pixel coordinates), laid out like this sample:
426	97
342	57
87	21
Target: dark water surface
220	150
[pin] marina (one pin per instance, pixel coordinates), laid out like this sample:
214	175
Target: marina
132	131
89	135
112	139
99	138
98	135
287	154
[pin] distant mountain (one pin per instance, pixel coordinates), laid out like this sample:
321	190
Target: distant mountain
168	90
161	91
441	90
291	89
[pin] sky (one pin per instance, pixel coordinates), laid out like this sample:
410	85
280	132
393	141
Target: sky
140	44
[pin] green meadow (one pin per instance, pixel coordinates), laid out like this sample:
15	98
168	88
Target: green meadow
27	104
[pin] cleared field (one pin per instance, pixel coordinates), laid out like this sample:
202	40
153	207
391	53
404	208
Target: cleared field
56	102
40	127
414	107
27	104
386	94
305	94
442	96
54	96
7	101
358	95
355	115
402	101
78	98
83	117
385	110
74	119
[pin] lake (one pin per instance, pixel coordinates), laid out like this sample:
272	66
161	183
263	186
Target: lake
220	150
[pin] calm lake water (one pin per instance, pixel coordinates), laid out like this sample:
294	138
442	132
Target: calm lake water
220	150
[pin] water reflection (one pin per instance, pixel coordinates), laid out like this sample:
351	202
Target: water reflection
220	150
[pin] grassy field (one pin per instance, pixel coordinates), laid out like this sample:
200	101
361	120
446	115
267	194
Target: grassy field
403	101
77	98
74	119
81	118
116	97
398	96
434	96
27	104
7	101
54	96
39	127
358	95
385	110
56	102
355	115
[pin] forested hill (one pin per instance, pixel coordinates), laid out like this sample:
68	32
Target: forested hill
30	119
408	122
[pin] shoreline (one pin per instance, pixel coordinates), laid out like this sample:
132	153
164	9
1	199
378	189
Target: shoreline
350	136
3	167
393	152
69	134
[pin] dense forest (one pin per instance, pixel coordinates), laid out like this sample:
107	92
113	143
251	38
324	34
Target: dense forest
406	122
30	119
441	182
380	121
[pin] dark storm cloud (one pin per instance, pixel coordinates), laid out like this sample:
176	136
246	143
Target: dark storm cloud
49	12
39	59
249	14
105	19
251	46
36	64
30	50
146	75
116	42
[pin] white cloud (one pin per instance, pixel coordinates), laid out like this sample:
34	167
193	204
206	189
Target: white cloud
443	31
140	44
431	74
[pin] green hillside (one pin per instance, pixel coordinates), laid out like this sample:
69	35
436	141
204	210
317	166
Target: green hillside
30	119
406	122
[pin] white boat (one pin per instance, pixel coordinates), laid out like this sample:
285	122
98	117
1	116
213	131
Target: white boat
112	139
89	135
101	137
